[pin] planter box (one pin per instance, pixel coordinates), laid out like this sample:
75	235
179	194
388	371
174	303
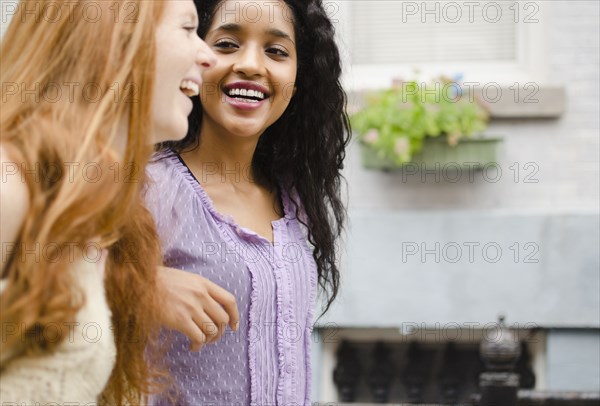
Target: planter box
436	154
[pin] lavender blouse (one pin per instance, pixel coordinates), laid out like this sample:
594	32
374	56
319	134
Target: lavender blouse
267	361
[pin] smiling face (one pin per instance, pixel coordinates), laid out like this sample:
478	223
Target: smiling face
252	81
181	59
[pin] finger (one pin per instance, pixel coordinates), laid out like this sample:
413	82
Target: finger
228	302
196	336
195	347
208	326
218	316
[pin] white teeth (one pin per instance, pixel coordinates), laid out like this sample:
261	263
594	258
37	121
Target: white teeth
246	93
190	88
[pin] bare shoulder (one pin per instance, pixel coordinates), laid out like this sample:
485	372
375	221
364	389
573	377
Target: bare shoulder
14	200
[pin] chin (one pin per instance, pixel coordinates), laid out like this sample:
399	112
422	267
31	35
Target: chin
172	134
247	132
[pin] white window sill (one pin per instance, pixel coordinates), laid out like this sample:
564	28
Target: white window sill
529	101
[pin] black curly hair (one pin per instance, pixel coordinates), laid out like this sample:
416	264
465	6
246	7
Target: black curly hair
305	147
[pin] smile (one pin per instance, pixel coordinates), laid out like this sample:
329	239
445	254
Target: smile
190	88
247	92
249	95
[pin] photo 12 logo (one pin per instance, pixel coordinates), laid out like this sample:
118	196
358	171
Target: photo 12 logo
470	172
490	12
468	252
54	11
470	332
54	92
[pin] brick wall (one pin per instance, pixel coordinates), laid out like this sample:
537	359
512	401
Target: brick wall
563	152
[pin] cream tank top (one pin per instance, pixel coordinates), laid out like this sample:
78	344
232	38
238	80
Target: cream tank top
82	364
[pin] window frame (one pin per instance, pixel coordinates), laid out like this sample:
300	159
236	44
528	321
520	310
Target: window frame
531	64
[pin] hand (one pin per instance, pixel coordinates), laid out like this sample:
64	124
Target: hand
195	306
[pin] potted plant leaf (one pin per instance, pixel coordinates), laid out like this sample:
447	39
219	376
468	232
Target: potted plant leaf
429	124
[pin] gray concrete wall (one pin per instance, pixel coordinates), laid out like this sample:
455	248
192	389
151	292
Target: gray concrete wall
572	359
469	266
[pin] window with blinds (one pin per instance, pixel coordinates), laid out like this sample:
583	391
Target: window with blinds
400	32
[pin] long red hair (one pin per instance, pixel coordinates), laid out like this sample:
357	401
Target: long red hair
79	74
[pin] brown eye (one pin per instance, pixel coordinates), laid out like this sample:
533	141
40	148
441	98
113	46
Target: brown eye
225	44
277	51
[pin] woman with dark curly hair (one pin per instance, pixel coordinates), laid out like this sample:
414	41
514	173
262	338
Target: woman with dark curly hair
250	201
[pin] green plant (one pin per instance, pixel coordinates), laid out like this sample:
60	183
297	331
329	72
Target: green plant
397	121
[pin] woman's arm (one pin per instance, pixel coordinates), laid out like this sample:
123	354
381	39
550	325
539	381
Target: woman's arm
195	306
14	203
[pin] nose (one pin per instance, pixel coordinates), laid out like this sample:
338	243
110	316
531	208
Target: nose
249	61
205	57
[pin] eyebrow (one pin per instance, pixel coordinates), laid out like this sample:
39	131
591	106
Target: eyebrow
231	27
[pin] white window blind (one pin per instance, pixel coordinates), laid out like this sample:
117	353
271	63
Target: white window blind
400	32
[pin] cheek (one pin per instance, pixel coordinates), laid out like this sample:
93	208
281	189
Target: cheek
162	49
211	76
288	78
172	58
159	110
288	92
